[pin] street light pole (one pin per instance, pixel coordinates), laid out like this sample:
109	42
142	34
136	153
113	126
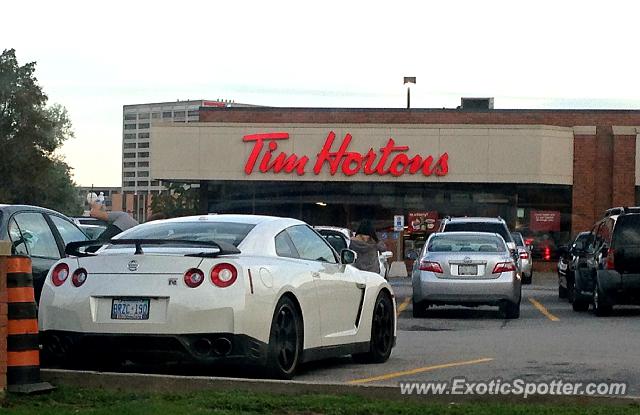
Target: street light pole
408	80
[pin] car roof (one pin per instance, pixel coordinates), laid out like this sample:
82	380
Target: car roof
466	233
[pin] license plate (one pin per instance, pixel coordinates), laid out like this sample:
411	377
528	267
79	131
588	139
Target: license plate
130	309
467	270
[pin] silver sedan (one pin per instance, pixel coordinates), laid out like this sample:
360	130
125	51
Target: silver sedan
466	268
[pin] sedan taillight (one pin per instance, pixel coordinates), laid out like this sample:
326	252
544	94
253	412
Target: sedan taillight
524	255
430	266
223	275
60	274
193	277
79	277
504	267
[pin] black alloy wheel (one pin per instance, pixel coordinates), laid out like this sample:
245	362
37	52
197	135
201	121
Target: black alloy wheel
382	326
285	340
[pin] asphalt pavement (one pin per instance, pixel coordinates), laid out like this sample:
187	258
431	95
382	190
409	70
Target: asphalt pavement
548	342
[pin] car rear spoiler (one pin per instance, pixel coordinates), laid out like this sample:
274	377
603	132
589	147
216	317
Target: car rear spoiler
224	248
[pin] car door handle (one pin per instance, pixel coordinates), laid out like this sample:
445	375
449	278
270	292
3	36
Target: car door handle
315	274
361	285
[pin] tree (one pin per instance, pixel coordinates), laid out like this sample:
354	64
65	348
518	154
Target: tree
30	132
179	200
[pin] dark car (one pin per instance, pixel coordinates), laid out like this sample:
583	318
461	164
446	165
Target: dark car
39	233
567	263
609	271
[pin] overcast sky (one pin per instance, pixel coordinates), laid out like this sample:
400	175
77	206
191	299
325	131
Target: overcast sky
95	57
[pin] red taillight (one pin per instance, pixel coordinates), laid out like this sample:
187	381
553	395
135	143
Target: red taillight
79	277
223	275
60	274
524	255
610	264
430	266
193	277
547	253
504	267
528	241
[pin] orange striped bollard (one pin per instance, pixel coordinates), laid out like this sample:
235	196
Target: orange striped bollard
23	346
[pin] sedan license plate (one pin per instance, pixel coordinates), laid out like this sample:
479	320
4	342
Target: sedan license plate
130	309
467	270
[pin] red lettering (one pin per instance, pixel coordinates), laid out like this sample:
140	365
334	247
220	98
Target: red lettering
400	159
349	162
257	147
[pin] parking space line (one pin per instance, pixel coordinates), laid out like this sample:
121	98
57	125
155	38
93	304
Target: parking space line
542	309
403	306
419	370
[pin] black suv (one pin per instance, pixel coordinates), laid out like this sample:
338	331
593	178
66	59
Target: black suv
608	272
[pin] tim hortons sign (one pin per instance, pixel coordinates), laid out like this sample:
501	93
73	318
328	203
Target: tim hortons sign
391	159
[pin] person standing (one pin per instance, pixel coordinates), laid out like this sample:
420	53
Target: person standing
365	243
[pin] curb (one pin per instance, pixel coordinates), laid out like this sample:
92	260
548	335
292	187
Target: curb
153	383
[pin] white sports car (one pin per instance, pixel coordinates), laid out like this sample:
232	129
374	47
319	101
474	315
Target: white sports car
258	289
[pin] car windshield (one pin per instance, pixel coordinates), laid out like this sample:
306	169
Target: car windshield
233	233
466	243
490	227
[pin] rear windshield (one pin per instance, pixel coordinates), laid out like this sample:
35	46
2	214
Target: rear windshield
627	231
229	232
466	243
498	228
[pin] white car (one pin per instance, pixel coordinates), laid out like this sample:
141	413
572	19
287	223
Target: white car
340	238
257	289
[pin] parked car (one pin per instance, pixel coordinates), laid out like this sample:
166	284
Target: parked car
526	262
204	289
39	233
340	238
569	256
609	271
466	268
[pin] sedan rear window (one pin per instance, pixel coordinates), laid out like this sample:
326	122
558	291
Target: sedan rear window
627	231
229	232
466	243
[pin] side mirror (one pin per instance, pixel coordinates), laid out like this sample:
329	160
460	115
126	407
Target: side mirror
386	254
347	256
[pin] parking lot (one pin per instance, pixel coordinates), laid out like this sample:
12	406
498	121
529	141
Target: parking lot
549	341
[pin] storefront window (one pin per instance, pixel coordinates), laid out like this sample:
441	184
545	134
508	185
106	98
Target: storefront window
542	213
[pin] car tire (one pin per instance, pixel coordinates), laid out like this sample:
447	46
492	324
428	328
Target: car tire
511	310
527	279
601	308
420	309
562	292
571	292
284	351
382	325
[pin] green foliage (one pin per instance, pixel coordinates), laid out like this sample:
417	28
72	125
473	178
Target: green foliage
30	132
178	200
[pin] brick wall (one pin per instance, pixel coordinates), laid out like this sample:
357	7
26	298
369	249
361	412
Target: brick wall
584	183
623	170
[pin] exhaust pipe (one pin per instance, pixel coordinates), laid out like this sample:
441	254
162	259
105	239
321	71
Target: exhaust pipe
222	346
202	346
